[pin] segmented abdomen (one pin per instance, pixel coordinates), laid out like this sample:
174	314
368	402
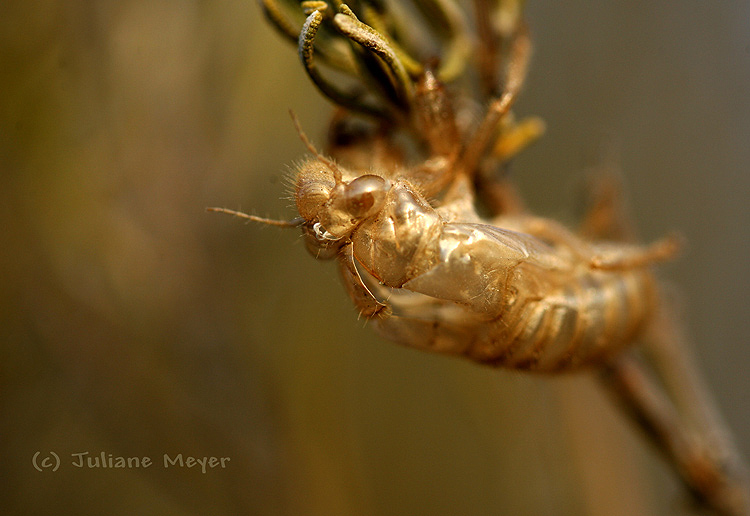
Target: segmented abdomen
580	323
588	319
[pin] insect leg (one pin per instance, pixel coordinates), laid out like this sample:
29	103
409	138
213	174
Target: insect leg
503	36
499	195
553	233
363	298
489	47
495	22
499	108
600	256
630	257
606	216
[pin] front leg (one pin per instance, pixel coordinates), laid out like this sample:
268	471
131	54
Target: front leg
364	300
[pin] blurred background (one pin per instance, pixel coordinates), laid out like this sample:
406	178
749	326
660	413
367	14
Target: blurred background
135	324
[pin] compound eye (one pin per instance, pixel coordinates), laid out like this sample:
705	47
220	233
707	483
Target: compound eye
365	195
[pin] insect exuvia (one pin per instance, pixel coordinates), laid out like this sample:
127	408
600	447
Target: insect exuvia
516	291
435	248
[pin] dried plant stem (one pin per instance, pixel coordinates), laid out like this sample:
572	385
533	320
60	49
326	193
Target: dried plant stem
708	468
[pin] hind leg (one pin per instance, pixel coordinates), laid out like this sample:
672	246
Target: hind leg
606	216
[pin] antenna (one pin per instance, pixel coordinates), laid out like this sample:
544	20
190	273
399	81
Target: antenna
294	223
328	162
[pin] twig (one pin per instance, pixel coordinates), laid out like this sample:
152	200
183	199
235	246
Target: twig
714	479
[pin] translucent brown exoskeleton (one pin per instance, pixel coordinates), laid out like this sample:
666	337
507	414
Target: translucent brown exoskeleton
517	291
396	202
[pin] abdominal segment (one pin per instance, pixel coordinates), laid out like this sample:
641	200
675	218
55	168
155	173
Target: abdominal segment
576	325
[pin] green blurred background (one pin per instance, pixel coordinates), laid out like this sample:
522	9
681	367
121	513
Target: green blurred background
135	324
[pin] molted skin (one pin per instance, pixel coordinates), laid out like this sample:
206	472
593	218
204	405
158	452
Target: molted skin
427	129
495	295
